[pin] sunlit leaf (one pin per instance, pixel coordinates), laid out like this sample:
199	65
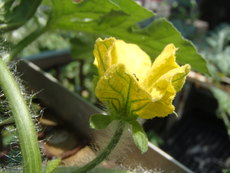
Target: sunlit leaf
119	18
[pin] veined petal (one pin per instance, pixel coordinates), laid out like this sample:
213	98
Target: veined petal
136	61
179	76
111	51
101	52
113	87
162	64
172	82
156	109
121	90
163	93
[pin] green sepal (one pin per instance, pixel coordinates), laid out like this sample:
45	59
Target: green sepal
99	121
139	136
52	165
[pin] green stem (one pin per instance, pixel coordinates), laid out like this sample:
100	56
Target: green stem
24	43
24	124
104	154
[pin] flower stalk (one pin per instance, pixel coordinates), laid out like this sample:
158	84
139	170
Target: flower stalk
105	153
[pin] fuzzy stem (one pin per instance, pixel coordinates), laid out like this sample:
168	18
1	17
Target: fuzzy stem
104	154
24	43
25	128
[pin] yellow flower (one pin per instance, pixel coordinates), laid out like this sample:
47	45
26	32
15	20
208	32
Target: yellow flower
130	84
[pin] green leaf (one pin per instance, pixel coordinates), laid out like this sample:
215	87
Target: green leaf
82	45
161	32
139	136
80	50
119	18
99	121
15	13
90	14
52	165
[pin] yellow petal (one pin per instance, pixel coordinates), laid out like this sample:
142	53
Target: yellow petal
156	109
172	82
120	90
112	88
136	61
180	77
162	64
111	51
163	93
101	49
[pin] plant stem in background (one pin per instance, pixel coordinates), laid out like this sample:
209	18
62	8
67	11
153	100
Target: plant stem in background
104	154
24	124
24	43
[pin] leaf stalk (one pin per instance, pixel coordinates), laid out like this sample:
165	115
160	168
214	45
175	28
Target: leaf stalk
25	128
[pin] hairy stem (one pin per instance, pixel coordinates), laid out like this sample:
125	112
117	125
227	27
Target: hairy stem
24	124
105	153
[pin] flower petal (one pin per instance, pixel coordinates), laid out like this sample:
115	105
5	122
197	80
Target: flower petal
120	90
136	61
111	51
163	93
156	109
101	49
162	64
172	82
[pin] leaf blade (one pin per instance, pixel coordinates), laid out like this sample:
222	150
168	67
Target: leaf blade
119	18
